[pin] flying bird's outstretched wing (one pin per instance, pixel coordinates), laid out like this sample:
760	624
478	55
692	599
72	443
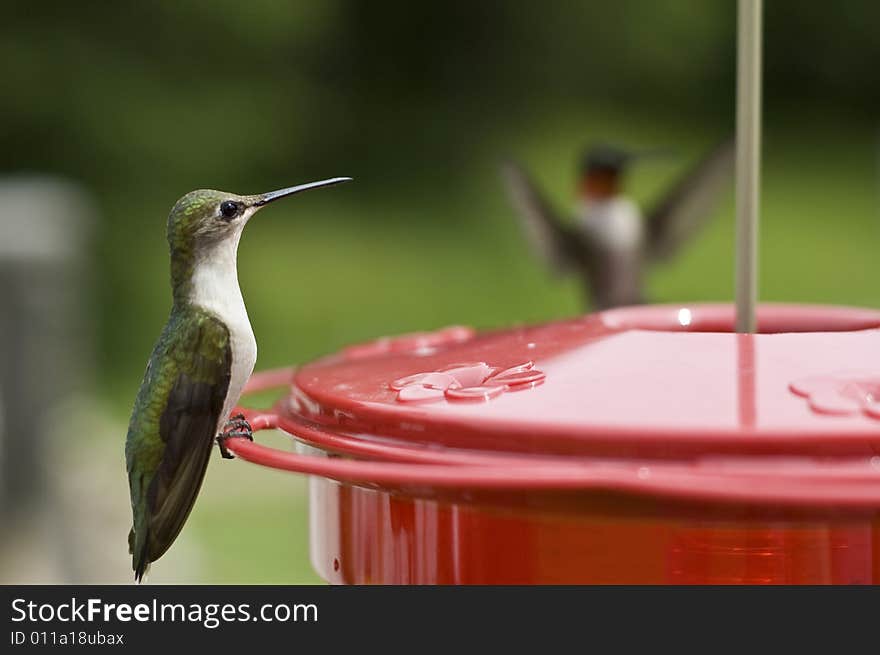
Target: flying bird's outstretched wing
172	429
689	203
559	245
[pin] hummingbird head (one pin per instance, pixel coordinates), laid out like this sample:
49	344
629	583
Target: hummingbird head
603	167
205	225
203	218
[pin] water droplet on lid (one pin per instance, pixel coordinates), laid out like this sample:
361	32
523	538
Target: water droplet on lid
643	473
531	345
684	317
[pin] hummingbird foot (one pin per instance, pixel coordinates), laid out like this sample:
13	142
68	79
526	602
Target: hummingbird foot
237	426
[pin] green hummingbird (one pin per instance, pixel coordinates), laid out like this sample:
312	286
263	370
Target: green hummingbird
197	369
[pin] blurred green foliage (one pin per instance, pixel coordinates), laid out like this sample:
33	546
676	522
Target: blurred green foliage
142	102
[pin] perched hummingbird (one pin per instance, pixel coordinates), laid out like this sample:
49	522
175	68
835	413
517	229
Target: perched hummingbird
610	243
197	370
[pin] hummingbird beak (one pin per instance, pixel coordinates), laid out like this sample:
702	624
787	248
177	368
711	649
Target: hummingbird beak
266	198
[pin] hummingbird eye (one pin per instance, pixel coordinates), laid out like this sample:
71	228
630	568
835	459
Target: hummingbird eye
229	209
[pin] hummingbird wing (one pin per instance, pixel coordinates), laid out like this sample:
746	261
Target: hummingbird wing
173	427
559	245
689	203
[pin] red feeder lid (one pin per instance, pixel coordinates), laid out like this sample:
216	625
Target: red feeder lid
648	382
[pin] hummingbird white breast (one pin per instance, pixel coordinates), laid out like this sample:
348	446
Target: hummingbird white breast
616	223
216	289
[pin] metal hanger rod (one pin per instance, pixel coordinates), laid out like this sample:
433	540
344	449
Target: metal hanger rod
748	160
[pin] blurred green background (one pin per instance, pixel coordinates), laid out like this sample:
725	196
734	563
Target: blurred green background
142	102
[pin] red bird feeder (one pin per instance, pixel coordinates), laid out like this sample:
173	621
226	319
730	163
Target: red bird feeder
647	445
640	445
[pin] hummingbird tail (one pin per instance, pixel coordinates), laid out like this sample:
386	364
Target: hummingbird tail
141	569
139	561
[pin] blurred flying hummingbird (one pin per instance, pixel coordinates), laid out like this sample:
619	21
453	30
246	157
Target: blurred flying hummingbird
610	242
197	370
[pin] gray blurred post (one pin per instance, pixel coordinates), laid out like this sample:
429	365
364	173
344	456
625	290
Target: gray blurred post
44	226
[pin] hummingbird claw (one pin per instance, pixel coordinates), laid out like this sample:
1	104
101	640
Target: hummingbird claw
236	427
224	452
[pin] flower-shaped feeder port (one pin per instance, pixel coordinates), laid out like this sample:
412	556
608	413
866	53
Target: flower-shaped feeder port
477	381
843	393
